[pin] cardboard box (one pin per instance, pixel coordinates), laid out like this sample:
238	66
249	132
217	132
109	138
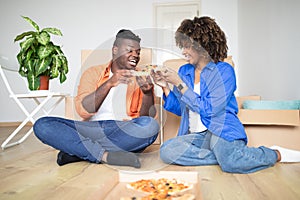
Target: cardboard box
270	127
121	190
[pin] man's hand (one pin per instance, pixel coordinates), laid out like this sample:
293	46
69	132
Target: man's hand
145	84
120	76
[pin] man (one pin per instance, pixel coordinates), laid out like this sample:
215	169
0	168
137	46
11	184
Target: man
117	109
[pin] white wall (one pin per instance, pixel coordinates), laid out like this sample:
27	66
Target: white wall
263	38
84	24
269	47
87	25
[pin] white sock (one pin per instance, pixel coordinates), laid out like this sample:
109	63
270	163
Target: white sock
287	155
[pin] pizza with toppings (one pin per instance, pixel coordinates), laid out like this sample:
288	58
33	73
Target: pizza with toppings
162	188
146	70
157	197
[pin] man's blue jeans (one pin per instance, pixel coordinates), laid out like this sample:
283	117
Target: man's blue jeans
90	139
204	148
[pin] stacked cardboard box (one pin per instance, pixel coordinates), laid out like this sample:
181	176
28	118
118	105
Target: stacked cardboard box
270	127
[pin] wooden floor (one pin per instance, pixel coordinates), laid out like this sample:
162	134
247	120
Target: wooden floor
29	171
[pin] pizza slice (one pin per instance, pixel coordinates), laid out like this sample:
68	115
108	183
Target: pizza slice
146	70
157	197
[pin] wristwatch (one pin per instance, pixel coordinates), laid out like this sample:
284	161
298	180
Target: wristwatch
181	86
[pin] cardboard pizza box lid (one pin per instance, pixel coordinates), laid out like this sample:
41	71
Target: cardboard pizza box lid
120	190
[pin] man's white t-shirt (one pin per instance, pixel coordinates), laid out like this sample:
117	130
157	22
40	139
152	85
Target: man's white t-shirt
114	105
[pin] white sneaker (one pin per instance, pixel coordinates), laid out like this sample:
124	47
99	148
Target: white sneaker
287	155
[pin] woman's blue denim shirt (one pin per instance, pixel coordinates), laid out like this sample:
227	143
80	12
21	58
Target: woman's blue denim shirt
216	103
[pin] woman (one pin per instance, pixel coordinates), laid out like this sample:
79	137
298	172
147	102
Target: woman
203	95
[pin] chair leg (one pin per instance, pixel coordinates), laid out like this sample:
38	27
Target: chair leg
161	122
6	143
47	112
26	135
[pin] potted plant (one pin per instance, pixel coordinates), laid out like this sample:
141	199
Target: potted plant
39	56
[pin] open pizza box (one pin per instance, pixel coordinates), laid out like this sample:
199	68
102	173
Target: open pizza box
121	190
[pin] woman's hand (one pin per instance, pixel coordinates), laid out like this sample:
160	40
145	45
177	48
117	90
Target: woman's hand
168	75
159	79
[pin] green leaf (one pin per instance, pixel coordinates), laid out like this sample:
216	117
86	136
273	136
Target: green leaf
30	65
64	62
32	23
23	71
21	36
62	77
43	38
21	57
28	54
33	81
54	31
55	67
42	66
26	44
58	50
44	51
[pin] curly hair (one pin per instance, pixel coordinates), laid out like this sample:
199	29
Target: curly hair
202	32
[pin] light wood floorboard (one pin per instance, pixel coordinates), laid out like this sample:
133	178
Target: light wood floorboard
29	171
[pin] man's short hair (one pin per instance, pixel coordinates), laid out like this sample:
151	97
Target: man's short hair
126	34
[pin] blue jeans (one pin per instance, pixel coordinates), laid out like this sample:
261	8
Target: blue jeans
207	149
90	139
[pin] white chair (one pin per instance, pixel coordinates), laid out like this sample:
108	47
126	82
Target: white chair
39	97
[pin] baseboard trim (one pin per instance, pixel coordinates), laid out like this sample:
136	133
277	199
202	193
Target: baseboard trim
7	124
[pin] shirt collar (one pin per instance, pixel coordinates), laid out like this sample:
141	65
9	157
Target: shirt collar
107	70
191	70
211	65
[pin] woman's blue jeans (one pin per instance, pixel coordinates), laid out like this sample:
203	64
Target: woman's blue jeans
204	148
90	139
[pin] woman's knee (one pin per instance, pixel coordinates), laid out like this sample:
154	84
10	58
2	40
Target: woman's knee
167	152
164	155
